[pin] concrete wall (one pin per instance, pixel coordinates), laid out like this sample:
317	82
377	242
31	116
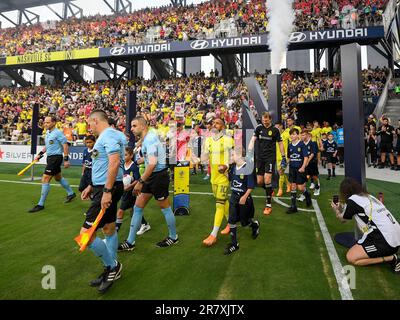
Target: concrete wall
193	65
375	59
259	62
298	60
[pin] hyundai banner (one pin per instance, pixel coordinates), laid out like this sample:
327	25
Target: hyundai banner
297	40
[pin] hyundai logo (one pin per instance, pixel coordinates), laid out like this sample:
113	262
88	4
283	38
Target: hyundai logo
117	51
199	44
296	37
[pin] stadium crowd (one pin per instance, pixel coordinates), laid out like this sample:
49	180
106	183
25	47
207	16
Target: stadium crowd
210	19
202	98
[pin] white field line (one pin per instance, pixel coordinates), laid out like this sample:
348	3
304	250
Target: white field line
341	280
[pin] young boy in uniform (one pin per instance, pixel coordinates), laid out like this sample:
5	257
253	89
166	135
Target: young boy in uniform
241	206
298	160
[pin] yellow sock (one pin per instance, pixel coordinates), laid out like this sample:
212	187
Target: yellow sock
281	181
226	210
219	213
286	180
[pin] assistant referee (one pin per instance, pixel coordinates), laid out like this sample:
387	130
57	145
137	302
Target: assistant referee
55	146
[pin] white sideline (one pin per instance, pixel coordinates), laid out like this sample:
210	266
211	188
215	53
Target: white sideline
344	289
76	186
277	200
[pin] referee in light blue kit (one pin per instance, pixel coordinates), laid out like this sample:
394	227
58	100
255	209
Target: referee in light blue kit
106	189
56	145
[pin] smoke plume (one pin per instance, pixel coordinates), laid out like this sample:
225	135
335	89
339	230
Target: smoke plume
281	18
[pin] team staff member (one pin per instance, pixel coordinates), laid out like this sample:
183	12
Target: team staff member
381	239
267	136
153	182
386	132
55	145
106	189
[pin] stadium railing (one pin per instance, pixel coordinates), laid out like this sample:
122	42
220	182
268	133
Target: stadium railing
383	98
388	14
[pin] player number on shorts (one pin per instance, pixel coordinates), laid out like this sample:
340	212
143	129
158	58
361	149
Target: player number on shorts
224	189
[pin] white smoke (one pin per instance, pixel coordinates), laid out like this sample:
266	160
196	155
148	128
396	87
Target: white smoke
281	18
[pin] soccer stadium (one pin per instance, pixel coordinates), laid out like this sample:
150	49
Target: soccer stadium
200	150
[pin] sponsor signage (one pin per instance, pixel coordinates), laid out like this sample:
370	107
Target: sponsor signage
22	154
297	40
40	57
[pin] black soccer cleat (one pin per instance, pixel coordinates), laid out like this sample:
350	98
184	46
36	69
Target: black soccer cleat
70	198
396	264
167	242
36	208
126	246
328	178
96	282
291	210
109	277
255	229
231	248
308	201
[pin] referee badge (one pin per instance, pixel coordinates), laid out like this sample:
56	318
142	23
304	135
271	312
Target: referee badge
95	154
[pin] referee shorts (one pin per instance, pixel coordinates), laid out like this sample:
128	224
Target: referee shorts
157	185
53	166
110	215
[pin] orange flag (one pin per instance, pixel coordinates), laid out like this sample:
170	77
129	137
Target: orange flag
83	239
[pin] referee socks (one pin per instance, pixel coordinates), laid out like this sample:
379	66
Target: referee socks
171	222
45	192
135	224
100	250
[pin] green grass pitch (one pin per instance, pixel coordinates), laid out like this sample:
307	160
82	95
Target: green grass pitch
288	260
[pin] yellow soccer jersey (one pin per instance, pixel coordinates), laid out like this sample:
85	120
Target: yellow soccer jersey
326	130
286	135
219	153
278	150
316	134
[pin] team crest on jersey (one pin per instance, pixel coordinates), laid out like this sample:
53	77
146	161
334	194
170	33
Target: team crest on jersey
298	149
270	133
95	154
51	141
241	176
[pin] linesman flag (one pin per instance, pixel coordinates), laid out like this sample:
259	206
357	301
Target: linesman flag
83	239
26	168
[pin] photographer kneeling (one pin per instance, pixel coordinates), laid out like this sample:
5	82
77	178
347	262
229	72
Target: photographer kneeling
381	238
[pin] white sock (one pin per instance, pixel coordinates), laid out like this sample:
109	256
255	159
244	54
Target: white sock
215	231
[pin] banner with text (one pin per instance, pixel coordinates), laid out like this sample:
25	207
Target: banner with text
22	154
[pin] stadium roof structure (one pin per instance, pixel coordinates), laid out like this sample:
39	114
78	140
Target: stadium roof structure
11	5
